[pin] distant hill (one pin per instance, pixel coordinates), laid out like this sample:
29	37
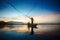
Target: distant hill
14	22
21	23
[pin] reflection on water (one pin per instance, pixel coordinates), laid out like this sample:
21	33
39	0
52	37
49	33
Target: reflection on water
41	28
21	32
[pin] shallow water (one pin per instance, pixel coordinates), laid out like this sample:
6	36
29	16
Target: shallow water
21	32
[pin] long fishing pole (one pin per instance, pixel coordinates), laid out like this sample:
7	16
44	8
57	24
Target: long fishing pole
20	11
14	7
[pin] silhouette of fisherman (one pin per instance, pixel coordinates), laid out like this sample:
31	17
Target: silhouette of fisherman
32	25
32	32
2	24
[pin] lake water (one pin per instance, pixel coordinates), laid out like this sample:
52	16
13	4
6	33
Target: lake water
40	28
21	32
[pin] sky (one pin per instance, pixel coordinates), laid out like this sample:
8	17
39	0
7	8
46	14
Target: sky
28	7
50	18
47	11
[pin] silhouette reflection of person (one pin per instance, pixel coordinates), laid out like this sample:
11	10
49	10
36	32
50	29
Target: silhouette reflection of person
32	25
32	31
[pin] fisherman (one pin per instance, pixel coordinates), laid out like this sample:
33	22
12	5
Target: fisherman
32	25
32	31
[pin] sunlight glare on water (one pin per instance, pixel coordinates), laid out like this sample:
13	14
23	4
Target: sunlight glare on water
40	28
